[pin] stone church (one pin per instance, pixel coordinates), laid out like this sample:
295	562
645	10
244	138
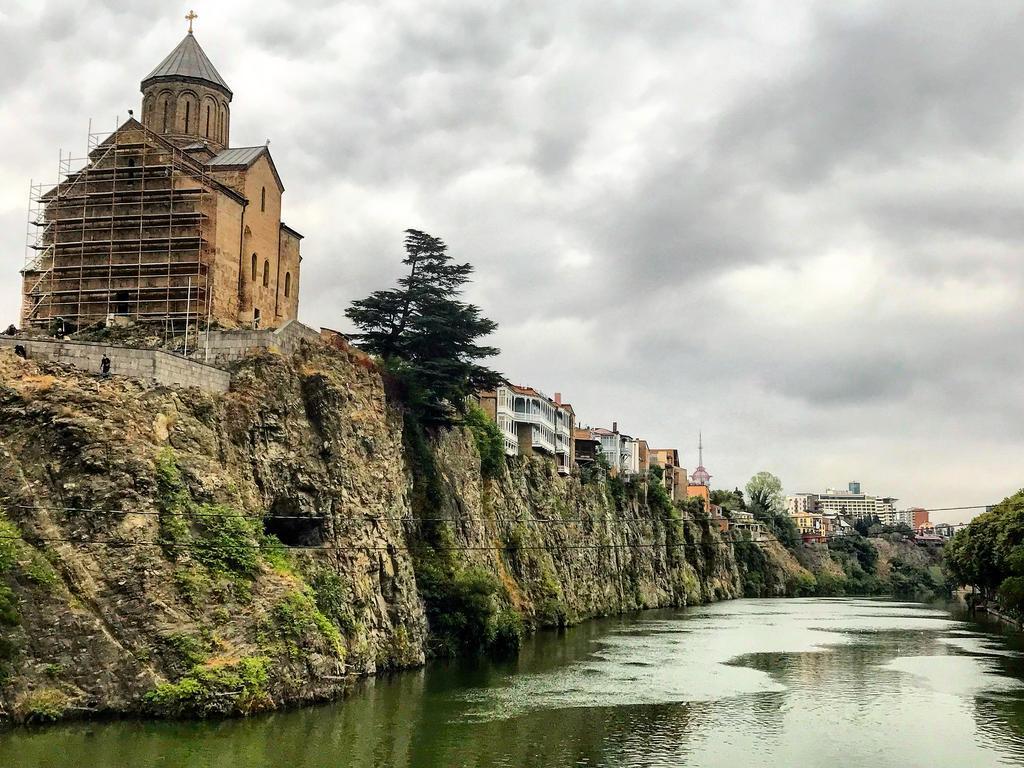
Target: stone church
166	221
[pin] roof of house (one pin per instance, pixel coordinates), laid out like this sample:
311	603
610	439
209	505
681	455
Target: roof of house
583	434
188	61
244	157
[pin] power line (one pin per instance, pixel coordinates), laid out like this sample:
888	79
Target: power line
365	518
391	547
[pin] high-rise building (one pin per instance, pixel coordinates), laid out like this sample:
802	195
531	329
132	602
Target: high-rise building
846	503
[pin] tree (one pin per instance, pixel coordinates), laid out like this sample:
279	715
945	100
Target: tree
765	492
426	336
729	500
768	506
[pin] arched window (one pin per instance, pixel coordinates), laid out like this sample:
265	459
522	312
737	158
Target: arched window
165	115
254	267
207	121
266	273
287	284
263	199
188	114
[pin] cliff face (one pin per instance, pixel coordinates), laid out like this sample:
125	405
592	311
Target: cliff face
137	573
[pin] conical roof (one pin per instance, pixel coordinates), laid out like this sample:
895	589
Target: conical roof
188	62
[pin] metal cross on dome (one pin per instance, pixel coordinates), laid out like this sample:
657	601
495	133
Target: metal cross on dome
190	17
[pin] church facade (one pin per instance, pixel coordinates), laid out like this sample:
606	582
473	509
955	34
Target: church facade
166	221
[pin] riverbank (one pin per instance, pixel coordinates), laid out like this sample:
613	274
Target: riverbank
178	553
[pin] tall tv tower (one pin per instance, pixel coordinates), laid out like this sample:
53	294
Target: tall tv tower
700	475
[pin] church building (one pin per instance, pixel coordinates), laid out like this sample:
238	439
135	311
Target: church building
166	221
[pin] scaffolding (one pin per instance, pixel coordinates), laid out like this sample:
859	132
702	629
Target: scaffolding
127	234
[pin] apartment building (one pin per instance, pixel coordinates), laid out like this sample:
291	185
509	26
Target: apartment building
850	503
531	422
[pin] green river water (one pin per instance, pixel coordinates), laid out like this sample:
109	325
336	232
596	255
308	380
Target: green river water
804	683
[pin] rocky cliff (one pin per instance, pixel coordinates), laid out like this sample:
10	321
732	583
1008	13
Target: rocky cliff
173	552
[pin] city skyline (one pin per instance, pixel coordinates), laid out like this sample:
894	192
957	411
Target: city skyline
849	310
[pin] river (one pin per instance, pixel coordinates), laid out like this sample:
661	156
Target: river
812	682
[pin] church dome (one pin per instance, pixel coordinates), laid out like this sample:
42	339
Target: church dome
186	100
187	62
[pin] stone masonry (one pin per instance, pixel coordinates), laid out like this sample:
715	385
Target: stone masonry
154	365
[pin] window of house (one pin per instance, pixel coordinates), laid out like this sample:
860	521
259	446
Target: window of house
263	199
254	266
287	284
266	273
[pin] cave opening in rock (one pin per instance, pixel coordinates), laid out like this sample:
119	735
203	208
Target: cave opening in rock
296	531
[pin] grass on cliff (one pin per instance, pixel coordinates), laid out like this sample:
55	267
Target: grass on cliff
215	535
234	687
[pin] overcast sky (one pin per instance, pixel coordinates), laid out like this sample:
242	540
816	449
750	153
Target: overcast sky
795	226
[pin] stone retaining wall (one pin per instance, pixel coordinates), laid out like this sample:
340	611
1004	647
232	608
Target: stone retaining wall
227	346
154	365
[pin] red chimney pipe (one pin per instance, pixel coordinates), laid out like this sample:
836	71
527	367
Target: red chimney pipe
558	398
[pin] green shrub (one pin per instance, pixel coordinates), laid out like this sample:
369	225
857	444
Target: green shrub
490	443
505	632
460	603
44	705
193	584
235	688
296	616
173	502
191	649
227	542
801	584
831	584
9	615
330	592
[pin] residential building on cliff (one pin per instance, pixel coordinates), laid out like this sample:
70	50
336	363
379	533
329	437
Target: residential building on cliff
531	422
673	473
164	220
621	451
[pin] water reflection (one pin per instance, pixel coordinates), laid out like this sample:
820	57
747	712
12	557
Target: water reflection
749	683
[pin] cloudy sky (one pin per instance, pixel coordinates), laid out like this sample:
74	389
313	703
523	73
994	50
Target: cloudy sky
795	226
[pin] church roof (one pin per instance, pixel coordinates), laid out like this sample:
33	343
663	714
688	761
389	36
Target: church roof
242	158
188	61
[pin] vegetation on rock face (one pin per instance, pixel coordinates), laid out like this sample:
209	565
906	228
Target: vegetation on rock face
215	535
44	705
489	441
232	687
768	506
426	336
989	554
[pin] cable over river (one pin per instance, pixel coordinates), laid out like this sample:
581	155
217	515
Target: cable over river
813	682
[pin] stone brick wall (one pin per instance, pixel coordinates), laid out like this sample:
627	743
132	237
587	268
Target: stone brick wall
226	346
148	364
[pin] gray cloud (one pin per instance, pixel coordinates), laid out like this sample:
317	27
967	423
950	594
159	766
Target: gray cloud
793	227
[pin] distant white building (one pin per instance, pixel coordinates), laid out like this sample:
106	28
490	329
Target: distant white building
802	503
850	503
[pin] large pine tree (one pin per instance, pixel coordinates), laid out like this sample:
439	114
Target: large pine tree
426	335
